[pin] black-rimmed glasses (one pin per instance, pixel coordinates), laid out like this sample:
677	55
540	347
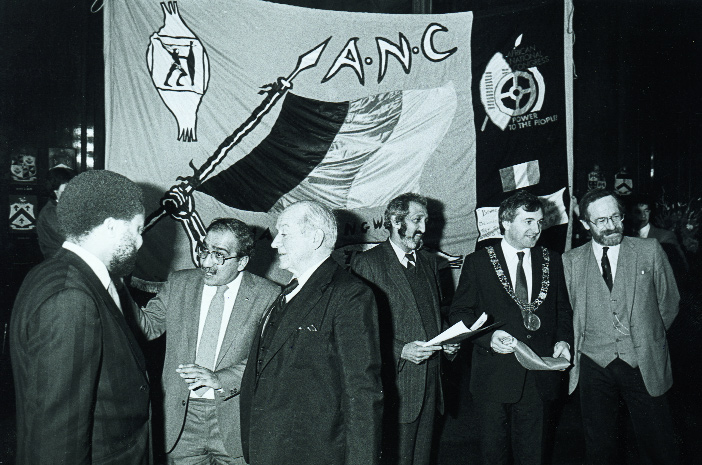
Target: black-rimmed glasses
602	222
219	257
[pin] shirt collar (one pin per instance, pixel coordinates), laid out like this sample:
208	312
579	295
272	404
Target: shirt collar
597	248
643	232
304	277
510	252
92	261
401	253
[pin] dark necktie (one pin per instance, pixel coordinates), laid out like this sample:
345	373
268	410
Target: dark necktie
207	348
520	287
278	305
410	261
606	269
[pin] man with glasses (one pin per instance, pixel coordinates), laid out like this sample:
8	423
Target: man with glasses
624	299
210	315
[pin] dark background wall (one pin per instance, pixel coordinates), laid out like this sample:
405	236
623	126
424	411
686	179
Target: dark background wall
637	99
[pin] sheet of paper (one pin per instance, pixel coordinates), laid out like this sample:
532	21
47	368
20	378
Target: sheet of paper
457	332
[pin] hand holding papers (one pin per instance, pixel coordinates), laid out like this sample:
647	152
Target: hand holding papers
458	332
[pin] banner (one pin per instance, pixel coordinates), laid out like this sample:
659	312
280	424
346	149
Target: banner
258	105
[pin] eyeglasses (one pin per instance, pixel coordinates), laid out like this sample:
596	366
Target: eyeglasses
219	257
615	219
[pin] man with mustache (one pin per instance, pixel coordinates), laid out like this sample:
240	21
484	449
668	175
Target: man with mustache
624	299
522	288
210	315
406	282
80	377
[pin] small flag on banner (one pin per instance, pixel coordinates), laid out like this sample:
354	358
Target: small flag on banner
521	175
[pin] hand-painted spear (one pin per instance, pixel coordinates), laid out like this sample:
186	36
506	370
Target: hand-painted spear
274	93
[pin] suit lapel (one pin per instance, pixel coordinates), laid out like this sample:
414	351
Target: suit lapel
192	320
115	314
625	280
537	260
240	314
301	305
396	272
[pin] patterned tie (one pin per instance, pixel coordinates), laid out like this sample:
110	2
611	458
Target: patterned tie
520	287
410	261
207	348
277	306
606	269
112	289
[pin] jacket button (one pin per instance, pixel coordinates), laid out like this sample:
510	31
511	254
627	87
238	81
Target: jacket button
143	388
182	402
528	336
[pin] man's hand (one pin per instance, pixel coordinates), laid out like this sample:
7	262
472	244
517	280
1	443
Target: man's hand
178	203
450	349
502	342
561	349
196	376
416	353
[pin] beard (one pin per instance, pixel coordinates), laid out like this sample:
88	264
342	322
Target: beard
608	237
123	260
413	243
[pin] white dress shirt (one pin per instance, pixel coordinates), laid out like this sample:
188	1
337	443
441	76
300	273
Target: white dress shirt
612	254
208	292
401	254
512	262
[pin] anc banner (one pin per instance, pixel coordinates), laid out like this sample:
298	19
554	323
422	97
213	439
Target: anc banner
282	103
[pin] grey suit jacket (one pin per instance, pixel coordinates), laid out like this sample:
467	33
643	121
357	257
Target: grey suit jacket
401	323
176	310
651	298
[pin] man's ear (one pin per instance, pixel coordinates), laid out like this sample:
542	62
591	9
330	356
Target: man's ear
318	238
243	261
585	224
396	224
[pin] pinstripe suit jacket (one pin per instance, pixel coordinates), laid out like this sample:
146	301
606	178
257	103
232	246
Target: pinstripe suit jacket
401	323
176	310
80	379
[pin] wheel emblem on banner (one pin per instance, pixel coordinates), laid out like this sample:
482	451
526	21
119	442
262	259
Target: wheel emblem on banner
519	90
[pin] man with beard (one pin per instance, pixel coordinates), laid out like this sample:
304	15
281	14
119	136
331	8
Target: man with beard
522	288
624	299
406	282
80	378
210	315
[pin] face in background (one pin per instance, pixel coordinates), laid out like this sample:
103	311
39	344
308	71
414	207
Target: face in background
408	234
59	191
641	215
125	254
296	244
611	232
222	242
525	229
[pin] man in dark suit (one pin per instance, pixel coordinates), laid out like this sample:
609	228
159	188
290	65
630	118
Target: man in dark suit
522	287
210	315
641	210
311	392
406	281
624	298
80	378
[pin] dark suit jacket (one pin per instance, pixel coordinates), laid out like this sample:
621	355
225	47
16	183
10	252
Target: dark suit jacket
317	398
652	299
176	310
500	377
80	378
400	323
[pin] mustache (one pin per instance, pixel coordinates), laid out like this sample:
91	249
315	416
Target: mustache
615	230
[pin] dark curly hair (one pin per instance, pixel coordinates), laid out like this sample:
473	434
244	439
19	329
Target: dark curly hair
399	208
509	206
92	197
242	232
56	177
